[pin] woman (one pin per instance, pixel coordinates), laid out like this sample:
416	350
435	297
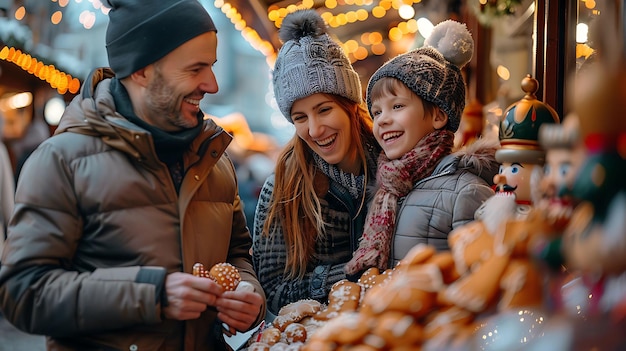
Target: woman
311	211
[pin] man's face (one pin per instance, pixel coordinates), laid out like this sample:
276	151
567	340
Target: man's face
178	82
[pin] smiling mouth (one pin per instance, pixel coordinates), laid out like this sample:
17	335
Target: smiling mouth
326	142
391	135
195	102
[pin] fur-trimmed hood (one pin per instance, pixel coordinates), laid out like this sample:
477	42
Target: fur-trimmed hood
478	158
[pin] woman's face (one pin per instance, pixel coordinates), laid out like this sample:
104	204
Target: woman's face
326	128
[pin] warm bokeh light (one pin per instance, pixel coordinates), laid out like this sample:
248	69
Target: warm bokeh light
395	34
379	49
20	13
248	33
56	17
53	110
61	81
582	31
379	12
375	38
19	100
360	53
503	72
406	12
424	26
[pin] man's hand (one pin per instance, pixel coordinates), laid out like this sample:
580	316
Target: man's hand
240	308
189	296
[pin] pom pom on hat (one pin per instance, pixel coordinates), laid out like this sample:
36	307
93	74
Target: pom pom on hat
141	32
301	24
311	62
453	41
433	72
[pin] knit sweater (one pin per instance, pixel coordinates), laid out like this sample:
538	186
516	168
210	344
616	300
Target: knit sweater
344	217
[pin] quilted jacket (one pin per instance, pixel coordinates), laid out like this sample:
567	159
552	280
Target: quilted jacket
445	200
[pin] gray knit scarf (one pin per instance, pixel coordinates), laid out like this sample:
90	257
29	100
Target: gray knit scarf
353	183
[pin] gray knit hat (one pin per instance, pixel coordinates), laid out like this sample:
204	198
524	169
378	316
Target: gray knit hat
311	62
433	72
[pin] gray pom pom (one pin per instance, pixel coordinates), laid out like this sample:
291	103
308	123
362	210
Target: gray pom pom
453	41
301	23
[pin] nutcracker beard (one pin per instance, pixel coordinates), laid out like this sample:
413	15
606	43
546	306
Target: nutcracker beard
497	210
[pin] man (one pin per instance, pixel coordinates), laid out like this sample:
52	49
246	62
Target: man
113	211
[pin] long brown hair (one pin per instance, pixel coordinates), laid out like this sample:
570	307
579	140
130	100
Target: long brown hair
295	207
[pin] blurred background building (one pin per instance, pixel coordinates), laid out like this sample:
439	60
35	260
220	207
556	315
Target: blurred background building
48	46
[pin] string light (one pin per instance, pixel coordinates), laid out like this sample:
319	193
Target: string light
365	48
58	80
248	33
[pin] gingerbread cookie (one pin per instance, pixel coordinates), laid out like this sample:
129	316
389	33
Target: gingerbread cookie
226	275
303	308
420	253
372	277
295	332
270	336
259	346
344	296
347	328
198	270
398	330
413	291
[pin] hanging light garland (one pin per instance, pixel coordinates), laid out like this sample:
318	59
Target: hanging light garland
369	43
248	33
58	80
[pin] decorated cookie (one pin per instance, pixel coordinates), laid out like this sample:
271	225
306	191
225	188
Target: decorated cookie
226	275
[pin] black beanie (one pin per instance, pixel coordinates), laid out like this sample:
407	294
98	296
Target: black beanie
141	32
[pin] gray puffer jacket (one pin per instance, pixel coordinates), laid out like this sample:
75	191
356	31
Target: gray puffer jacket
445	200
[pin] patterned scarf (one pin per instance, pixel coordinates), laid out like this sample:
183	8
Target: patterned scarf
353	183
395	179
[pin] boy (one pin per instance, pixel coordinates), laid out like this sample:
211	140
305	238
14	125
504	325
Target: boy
424	190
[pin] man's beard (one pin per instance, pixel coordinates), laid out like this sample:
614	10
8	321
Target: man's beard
163	102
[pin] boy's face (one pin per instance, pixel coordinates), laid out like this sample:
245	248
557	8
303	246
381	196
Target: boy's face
400	121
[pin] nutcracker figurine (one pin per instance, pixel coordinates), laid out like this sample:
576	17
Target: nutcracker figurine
496	270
